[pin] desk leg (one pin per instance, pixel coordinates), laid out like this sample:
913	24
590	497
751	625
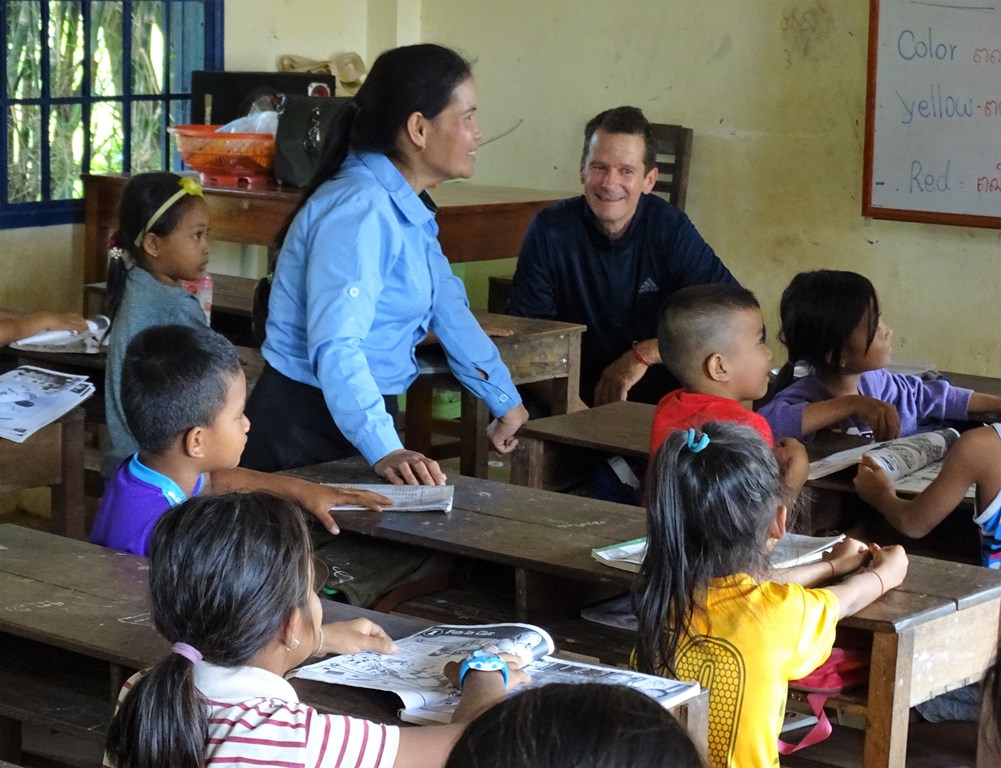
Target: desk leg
694	716
527	461
10	739
417	418
475	446
67	496
888	706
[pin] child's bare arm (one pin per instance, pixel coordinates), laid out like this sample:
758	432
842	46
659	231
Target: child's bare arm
974	459
889	566
14	327
981	403
794	466
317	499
882	417
846	556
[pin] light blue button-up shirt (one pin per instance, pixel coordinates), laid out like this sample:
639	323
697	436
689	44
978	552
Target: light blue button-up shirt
361	279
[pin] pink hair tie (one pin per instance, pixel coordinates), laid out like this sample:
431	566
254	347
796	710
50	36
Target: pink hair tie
187	651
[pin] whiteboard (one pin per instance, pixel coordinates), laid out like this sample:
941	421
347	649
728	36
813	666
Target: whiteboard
933	112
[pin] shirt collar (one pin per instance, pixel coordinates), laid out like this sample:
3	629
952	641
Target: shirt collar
241	683
397	186
171	491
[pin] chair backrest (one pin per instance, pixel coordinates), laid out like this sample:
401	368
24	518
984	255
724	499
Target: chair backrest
674	153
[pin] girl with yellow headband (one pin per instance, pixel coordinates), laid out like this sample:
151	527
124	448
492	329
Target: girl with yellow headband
163	238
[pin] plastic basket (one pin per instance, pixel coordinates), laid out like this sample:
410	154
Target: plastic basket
214	154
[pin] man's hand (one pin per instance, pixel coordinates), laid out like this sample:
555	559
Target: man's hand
618	378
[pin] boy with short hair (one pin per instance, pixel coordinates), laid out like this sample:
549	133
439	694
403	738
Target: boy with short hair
712	339
183	392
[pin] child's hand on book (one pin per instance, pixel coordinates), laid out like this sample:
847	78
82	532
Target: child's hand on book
355	636
872	483
890	563
881	416
847	555
794	466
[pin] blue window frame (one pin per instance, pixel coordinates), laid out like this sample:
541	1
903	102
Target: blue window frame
90	86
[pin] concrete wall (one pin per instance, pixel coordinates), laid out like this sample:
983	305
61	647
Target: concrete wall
775	93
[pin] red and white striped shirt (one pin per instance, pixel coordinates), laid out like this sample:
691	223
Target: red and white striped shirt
255	719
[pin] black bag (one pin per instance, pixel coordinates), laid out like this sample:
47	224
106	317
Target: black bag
303	125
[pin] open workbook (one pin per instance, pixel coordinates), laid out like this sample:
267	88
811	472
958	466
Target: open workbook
415	672
31	398
912	462
792	549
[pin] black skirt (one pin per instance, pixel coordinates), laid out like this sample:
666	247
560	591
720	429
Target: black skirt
290	425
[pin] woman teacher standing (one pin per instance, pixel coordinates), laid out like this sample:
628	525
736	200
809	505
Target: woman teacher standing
361	280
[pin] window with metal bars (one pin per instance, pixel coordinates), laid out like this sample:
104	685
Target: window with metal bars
90	86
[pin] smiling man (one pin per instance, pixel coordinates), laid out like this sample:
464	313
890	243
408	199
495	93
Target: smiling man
609	258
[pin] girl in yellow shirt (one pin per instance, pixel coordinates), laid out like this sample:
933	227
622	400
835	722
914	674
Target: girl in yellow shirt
710	607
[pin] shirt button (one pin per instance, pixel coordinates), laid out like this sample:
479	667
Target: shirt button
353	293
503	398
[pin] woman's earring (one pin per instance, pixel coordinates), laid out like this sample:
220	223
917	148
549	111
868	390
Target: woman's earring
295	644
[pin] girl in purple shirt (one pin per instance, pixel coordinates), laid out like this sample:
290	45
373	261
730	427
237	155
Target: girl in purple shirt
832	324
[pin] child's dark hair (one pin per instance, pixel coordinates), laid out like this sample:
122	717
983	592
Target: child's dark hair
709	513
174	378
585	725
226	573
629	120
820	310
694	323
412	78
141	198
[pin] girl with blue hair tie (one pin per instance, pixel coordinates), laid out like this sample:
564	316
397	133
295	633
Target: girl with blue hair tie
710	608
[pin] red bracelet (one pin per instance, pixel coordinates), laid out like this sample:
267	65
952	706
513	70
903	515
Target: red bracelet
638	356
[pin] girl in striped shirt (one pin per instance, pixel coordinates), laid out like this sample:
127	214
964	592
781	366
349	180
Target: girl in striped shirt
232	587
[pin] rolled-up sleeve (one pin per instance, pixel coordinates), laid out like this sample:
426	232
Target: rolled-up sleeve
467	347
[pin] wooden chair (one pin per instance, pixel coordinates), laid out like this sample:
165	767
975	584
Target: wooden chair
674	155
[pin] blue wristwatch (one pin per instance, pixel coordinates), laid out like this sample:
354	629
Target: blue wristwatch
483	661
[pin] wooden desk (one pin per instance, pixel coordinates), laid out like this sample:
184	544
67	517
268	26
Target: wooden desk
52	457
937	632
476	222
546	537
538	350
76	624
555	452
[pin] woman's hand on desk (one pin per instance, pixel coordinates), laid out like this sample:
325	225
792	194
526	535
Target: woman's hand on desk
501	431
405	467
